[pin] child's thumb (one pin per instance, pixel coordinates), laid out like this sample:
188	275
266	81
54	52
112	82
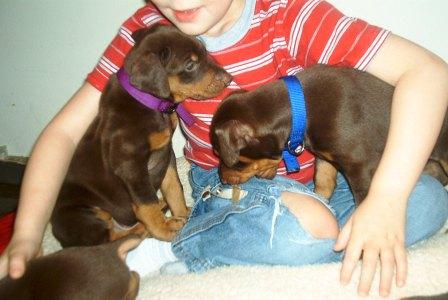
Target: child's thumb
17	265
343	237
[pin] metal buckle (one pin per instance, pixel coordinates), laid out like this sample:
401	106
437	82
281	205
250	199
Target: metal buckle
297	151
169	108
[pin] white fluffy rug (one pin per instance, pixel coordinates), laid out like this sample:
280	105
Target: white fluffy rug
427	275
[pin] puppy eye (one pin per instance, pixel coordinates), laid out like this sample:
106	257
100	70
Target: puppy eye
191	65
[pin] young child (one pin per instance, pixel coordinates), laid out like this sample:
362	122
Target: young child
259	41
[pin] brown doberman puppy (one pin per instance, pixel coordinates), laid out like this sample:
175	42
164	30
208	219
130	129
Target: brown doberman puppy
96	272
348	115
108	192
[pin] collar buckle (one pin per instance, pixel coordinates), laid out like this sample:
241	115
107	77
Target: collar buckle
167	107
298	150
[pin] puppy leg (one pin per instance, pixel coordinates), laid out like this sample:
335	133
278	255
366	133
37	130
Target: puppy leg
78	225
117	232
173	192
324	178
146	205
156	223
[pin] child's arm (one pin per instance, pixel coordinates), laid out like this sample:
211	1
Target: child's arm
377	228
44	174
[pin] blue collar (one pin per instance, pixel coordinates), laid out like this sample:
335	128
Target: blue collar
294	146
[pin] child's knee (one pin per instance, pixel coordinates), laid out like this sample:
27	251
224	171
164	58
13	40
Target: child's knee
312	215
427	209
430	196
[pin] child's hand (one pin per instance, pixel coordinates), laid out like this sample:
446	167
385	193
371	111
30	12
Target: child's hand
375	230
16	255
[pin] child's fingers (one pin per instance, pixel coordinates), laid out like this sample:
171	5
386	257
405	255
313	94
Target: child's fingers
17	264
387	271
19	255
343	237
352	255
369	261
402	265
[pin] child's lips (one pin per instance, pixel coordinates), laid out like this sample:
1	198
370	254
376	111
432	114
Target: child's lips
187	15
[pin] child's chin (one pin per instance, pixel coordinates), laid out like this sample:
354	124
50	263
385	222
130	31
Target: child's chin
191	28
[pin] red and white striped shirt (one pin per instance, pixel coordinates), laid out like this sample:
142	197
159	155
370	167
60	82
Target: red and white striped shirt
283	37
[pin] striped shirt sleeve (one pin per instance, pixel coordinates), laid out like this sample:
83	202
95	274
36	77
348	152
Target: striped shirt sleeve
319	33
113	57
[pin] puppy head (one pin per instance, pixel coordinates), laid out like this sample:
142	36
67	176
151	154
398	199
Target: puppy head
169	64
243	153
75	273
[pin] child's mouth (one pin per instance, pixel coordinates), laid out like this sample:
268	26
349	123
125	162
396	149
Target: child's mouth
186	15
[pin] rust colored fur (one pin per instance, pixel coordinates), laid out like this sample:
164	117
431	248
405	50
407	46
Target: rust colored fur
108	192
96	272
348	115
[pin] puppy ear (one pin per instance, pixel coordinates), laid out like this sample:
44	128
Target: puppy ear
230	137
127	244
139	34
148	74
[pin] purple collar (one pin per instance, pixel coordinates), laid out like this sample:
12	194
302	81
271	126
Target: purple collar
153	102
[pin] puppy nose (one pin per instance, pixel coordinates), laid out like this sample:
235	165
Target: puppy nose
224	77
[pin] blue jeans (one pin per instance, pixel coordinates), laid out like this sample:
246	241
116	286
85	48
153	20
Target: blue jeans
259	229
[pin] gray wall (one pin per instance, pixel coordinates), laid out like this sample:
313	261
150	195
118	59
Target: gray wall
47	47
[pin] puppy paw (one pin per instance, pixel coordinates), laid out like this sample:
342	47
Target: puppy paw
169	229
141	231
183	214
176	223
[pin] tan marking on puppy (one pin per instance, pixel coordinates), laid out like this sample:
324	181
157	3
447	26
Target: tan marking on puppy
116	233
139	229
173	193
102	214
260	165
174	121
159	139
194	57
203	89
264	168
324	178
156	223
178	90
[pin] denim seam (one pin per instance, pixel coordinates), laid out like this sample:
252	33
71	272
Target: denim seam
217	219
194	264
